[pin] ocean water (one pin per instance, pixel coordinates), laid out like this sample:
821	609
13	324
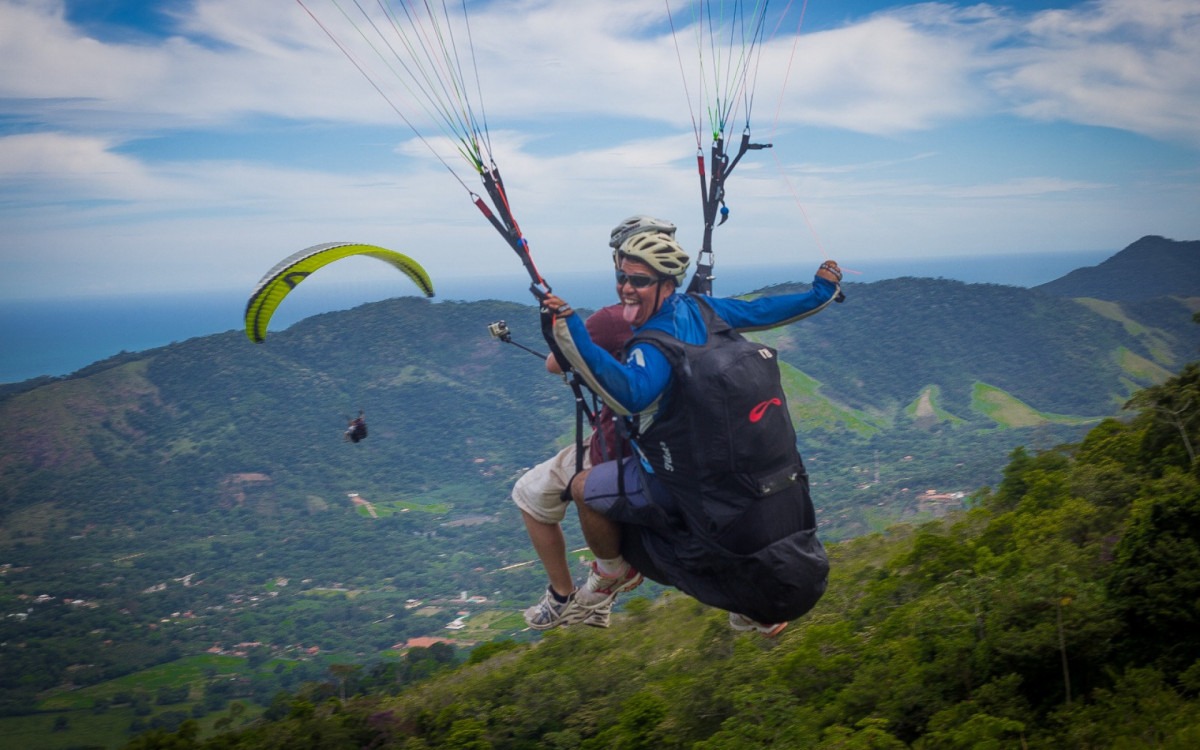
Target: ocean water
58	337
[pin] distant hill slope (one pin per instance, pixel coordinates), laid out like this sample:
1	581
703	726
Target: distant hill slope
1151	267
892	339
1124	324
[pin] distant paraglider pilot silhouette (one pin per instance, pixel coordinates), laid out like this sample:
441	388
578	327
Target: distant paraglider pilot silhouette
356	429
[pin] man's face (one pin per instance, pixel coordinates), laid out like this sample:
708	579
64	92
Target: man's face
641	291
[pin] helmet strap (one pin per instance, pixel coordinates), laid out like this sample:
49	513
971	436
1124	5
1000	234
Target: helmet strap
658	300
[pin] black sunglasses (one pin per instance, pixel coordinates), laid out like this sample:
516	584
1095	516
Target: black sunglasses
637	281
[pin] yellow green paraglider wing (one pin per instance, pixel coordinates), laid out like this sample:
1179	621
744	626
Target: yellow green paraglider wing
290	271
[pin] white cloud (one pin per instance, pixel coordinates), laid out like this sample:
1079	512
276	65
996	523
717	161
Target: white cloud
59	168
1127	64
1118	63
880	76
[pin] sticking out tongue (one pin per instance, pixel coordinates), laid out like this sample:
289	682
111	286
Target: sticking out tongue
629	312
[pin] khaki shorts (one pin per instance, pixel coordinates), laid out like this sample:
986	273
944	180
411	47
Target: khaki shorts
539	491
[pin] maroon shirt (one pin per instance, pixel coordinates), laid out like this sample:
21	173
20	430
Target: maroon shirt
607	327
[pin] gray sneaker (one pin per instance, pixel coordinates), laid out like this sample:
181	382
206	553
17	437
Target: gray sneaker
744	624
550	613
598	618
600	590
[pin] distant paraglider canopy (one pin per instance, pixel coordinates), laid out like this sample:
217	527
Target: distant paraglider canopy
289	272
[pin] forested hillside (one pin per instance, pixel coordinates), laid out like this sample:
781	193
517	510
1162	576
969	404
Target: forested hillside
894	339
1060	611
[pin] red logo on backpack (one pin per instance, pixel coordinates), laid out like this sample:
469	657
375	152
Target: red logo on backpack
761	408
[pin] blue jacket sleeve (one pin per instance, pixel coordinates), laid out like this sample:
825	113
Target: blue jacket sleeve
769	312
633	384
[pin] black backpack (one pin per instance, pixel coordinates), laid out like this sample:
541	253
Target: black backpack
742	529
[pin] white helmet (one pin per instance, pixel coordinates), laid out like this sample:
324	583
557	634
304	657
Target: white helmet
658	250
635	224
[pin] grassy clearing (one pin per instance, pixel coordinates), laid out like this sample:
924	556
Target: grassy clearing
927	406
191	670
82	729
109	730
1008	411
1159	347
392	507
72	719
486	625
812	411
1140	368
1112	311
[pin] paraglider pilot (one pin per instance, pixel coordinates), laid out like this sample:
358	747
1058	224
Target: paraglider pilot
715	501
357	428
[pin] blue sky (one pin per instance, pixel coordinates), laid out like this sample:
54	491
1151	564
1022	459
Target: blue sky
185	146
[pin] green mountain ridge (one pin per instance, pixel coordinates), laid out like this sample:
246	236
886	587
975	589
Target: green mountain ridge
1159	267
